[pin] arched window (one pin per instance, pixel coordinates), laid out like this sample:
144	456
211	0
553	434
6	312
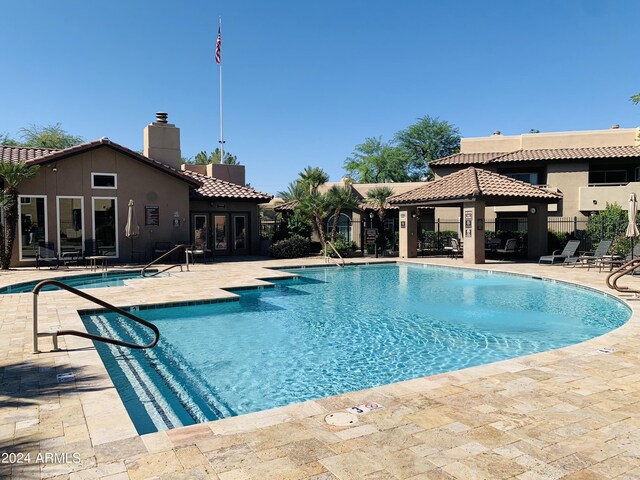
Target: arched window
344	226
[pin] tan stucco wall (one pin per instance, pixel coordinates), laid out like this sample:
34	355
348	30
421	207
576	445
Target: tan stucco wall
143	184
568	177
532	141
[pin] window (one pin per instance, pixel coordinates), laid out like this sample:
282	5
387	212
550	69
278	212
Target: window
220	232
607	176
528	177
32	228
344	226
70	231
104	180
105	220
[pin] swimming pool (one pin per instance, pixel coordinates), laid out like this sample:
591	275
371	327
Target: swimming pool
93	280
336	330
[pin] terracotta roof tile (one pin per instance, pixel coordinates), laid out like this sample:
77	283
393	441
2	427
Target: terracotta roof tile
467	158
37	156
10	154
216	188
568	154
540	154
472	183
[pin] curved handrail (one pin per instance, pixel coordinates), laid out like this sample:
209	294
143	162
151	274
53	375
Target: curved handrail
166	254
613	277
336	252
86	296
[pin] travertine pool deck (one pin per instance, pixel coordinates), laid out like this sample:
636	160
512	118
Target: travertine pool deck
571	413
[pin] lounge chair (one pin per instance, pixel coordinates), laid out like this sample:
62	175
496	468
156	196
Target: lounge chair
612	261
569	251
47	255
590	258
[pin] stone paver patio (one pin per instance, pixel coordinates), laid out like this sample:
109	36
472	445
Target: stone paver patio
571	413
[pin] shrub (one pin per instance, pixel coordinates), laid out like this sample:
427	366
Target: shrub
343	247
431	238
608	224
292	247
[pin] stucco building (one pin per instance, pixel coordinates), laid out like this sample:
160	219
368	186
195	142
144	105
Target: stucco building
589	168
80	197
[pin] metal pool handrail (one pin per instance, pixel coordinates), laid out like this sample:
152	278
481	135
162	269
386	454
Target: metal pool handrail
613	277
326	257
86	296
166	254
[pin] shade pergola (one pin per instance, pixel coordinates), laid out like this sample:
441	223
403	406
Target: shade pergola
473	189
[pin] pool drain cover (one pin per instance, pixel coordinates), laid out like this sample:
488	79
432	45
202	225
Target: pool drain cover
341	419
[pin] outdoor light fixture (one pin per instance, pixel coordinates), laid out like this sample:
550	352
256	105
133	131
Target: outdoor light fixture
371	215
533	210
595	202
414	215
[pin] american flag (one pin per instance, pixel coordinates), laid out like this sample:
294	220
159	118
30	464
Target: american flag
218	42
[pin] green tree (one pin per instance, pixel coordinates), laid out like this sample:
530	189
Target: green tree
312	178
376	161
378	196
295	191
426	140
11	175
636	98
339	199
203	158
5	139
51	136
611	224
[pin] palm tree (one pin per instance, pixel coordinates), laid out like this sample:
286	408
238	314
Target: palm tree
340	198
295	191
379	196
313	177
11	174
316	206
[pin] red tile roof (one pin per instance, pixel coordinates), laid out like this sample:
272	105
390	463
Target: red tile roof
473	183
467	158
216	188
38	156
540	154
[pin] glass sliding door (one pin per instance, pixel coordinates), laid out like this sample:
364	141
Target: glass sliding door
32	227
70	228
105	221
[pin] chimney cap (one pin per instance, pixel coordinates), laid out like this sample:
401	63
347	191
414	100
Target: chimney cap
615	126
105	140
161	117
497	132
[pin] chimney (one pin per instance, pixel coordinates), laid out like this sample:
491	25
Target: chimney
614	127
162	141
496	133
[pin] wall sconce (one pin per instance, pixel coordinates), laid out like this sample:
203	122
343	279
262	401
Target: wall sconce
414	215
54	168
371	215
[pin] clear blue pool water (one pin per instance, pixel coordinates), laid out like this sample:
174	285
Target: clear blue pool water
93	280
337	330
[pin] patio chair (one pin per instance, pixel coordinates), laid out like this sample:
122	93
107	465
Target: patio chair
569	251
615	261
454	249
90	250
47	255
590	258
510	246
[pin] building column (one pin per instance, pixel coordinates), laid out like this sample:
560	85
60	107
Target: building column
537	230
473	232
408	238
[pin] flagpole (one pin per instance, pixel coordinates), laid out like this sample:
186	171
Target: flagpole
220	64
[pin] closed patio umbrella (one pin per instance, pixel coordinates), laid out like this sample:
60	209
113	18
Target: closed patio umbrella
131	229
632	228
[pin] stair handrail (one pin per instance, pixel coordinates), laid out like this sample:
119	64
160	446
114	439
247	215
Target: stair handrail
91	298
166	254
326	257
613	277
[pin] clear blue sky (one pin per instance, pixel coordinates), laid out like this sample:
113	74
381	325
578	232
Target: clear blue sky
304	82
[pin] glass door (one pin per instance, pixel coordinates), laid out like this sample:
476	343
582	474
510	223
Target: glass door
221	234
200	232
240	235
